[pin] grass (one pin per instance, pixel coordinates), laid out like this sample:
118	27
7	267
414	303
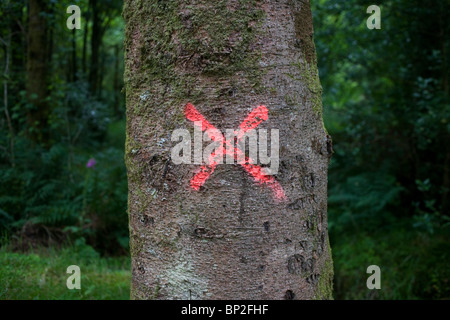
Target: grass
41	275
414	264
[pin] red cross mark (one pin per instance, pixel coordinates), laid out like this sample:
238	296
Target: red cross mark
258	115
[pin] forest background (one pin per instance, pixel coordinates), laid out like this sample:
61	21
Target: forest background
63	190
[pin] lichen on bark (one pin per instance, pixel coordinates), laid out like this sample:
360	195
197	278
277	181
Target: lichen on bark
310	76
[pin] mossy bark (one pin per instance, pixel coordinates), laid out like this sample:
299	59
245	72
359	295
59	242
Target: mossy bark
230	240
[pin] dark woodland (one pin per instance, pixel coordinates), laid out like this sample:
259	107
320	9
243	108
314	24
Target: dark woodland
63	179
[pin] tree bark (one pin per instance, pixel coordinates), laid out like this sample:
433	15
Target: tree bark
231	239
36	83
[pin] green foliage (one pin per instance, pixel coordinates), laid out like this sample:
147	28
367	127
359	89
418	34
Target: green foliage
386	107
414	265
55	188
47	190
385	104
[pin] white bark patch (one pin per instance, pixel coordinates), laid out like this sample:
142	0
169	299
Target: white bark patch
184	283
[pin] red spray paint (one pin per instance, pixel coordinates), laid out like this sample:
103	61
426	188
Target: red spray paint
258	115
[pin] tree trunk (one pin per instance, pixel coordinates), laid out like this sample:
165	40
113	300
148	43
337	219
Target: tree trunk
18	45
101	72
116	82
36	83
231	239
74	56
96	39
85	37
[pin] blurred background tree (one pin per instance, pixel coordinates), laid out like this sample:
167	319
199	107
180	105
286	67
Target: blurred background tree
63	182
62	106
